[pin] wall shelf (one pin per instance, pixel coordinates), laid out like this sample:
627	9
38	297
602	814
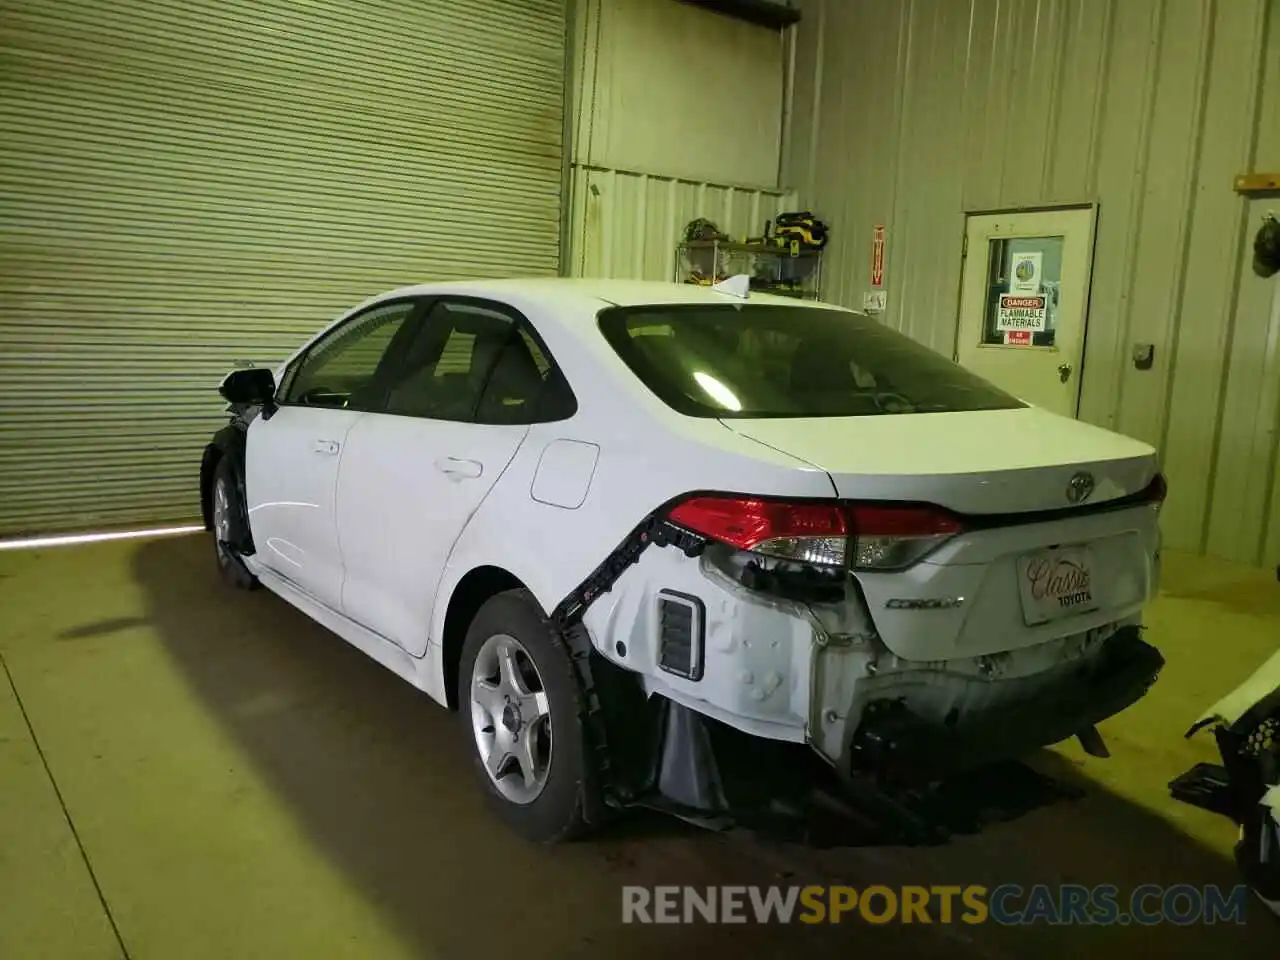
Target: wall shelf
1249	183
772	268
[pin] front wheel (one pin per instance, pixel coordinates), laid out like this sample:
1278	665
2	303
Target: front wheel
522	715
225	497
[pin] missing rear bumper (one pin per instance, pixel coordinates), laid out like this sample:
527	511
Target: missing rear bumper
712	775
897	744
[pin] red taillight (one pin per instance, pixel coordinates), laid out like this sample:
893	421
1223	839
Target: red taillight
864	536
913	521
746	523
890	537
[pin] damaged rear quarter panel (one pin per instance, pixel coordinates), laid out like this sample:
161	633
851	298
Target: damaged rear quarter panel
552	549
758	650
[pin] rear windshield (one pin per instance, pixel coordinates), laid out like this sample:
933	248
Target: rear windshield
757	360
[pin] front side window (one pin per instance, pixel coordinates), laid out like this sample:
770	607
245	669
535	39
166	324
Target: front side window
756	360
472	361
342	369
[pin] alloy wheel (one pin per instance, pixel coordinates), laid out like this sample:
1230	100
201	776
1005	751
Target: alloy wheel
511	719
221	518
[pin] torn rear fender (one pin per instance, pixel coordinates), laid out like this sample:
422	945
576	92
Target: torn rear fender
758	651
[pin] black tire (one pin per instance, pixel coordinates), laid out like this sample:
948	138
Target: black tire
230	567
568	804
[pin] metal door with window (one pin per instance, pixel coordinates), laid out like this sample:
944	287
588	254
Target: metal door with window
473	380
1024	302
292	463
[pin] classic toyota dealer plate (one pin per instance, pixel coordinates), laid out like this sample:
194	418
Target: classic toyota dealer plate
1056	583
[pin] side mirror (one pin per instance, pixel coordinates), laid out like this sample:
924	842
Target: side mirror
252	387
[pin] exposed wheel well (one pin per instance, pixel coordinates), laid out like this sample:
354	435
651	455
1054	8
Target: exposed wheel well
472	591
208	464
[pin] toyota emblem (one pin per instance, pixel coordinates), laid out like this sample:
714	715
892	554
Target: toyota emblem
1079	487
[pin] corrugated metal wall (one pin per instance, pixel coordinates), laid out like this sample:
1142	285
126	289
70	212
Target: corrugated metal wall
678	114
909	114
188	185
626	224
675	91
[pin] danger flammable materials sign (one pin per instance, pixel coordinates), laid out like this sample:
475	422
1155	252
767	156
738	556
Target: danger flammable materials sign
1018	312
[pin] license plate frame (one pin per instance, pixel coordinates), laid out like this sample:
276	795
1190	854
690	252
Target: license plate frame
1055	583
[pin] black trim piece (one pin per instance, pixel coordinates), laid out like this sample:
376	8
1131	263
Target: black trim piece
695	654
566	620
903	747
762	13
578	642
653	529
1207	786
987	521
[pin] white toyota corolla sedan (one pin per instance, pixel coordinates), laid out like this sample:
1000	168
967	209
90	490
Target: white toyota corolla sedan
656	543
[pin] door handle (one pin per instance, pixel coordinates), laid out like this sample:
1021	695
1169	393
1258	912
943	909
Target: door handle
326	447
456	468
1064	372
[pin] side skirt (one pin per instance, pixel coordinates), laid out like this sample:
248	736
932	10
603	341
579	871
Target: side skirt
374	645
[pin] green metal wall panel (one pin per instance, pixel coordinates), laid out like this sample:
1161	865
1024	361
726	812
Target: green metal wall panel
626	224
911	113
188	185
666	88
655	144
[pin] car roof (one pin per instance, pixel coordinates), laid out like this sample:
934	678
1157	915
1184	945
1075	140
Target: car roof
622	293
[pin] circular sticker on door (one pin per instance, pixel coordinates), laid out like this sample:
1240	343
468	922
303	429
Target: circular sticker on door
1026	273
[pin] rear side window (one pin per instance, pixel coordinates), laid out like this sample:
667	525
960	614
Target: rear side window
757	360
477	362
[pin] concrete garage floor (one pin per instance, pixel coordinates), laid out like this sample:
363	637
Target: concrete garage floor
188	772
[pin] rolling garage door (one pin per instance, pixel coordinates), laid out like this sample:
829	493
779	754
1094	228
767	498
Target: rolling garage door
190	184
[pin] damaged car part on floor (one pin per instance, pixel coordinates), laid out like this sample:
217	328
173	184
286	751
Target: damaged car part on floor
1245	787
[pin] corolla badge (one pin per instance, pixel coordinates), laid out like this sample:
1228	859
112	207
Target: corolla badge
924	603
1079	487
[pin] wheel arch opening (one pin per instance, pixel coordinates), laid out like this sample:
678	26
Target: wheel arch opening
465	602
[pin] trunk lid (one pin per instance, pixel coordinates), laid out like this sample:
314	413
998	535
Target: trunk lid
987	461
1005	582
